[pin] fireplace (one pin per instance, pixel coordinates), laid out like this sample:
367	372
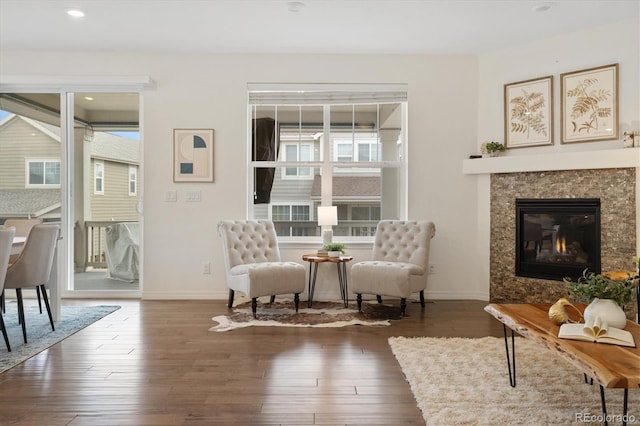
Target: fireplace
557	238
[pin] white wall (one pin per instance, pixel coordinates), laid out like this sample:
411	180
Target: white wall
455	102
209	91
554	56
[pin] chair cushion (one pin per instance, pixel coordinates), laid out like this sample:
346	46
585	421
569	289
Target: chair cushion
271	278
399	279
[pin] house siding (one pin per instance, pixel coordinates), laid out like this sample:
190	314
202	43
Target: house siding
293	189
19	141
115	203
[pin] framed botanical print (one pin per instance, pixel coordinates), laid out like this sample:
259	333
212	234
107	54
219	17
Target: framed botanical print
590	104
193	155
528	113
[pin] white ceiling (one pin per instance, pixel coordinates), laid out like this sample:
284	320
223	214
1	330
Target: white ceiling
320	26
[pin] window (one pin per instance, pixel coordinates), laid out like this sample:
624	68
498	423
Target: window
98	178
292	220
314	146
297	152
43	173
133	179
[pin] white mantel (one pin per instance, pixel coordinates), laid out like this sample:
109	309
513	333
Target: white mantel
602	159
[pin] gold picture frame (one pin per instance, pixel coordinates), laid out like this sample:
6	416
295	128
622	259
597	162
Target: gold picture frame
589	109
193	155
528	113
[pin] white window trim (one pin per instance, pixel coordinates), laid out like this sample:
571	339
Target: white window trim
28	161
134	181
267	94
95	177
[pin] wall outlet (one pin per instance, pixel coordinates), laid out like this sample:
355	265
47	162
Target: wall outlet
432	268
206	267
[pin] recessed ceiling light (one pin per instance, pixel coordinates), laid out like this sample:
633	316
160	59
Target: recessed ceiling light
76	13
294	6
89	98
542	7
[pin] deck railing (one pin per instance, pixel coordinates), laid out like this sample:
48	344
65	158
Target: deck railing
94	242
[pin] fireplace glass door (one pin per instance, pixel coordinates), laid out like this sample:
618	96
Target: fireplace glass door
557	238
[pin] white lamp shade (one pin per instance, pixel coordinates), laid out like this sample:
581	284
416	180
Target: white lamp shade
328	216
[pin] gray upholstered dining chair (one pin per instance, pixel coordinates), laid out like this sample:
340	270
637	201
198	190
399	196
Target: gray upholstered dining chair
23	227
6	240
33	268
253	264
400	262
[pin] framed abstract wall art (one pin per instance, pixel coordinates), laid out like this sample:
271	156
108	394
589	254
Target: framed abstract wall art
193	155
589	106
528	113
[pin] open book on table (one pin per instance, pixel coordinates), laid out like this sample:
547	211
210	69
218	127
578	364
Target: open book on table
596	330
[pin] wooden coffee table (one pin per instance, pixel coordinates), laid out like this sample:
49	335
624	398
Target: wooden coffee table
611	366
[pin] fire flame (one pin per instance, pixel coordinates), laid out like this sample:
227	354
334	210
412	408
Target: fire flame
561	245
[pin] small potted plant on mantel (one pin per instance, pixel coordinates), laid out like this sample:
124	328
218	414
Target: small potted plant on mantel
606	297
334	249
491	148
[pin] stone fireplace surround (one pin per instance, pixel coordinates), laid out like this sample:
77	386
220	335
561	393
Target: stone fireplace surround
611	175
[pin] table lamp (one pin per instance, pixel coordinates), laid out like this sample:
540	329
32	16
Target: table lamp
327	217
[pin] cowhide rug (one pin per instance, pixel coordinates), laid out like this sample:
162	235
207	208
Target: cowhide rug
282	313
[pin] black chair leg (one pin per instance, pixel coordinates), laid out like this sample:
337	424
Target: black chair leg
4	333
21	313
272	299
296	300
4	307
39	301
231	294
359	301
254	306
403	305
422	298
379	298
46	304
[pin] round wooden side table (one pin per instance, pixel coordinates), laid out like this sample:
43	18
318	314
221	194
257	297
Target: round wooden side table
341	264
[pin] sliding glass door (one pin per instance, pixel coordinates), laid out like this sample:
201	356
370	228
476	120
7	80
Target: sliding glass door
75	159
107	161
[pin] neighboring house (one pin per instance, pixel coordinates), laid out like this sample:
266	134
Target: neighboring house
114	178
30	173
356	191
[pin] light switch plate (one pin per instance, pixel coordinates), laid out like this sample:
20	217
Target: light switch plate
192	196
171	196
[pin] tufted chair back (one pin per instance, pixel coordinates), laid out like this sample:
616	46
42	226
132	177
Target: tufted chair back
403	241
249	241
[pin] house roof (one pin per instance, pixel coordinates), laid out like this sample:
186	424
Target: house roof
28	202
116	148
352	187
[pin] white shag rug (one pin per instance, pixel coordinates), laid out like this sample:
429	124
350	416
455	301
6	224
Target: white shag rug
323	314
459	381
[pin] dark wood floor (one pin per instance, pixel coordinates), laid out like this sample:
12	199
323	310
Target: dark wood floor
156	363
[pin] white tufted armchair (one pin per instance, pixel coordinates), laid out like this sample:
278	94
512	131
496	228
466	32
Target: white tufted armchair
253	265
400	262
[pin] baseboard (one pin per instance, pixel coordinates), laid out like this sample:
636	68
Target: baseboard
445	295
223	295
